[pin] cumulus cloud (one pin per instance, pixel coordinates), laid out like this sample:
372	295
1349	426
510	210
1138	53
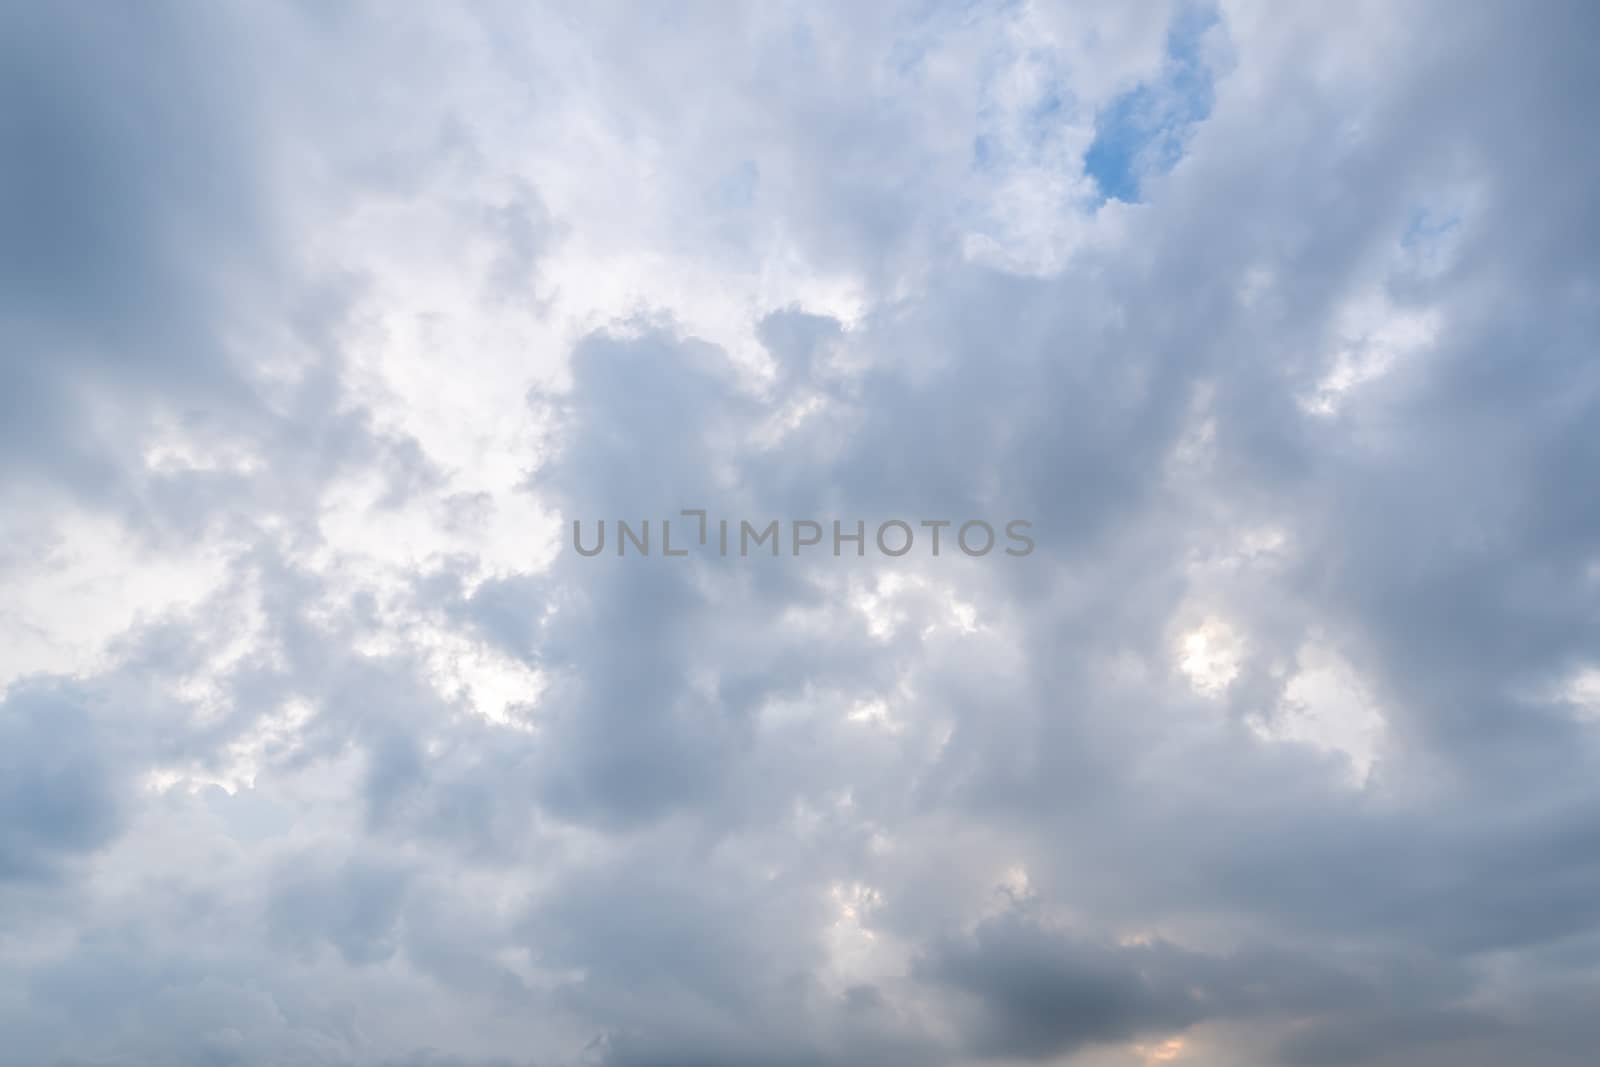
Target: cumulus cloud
319	743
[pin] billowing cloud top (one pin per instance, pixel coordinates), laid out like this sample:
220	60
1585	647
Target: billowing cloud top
320	744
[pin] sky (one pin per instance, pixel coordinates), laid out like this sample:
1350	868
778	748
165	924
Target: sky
321	324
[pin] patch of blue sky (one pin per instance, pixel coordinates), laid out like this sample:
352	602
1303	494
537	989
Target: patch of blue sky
1142	132
1428	225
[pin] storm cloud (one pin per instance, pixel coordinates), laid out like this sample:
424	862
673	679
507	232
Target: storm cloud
320	324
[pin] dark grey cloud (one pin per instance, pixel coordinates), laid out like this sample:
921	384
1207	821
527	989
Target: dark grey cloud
133	217
62	787
1043	995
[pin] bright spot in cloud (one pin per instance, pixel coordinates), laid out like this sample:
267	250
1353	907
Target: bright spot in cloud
1166	1052
1209	655
1372	336
1582	691
1326	705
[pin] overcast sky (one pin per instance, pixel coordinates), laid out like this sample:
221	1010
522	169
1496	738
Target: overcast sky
320	323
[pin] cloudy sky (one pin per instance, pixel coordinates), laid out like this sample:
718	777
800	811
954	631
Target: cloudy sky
321	322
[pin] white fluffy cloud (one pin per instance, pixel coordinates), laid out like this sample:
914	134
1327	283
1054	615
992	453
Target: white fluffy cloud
320	745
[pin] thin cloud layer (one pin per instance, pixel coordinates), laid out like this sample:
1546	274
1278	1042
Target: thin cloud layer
319	743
